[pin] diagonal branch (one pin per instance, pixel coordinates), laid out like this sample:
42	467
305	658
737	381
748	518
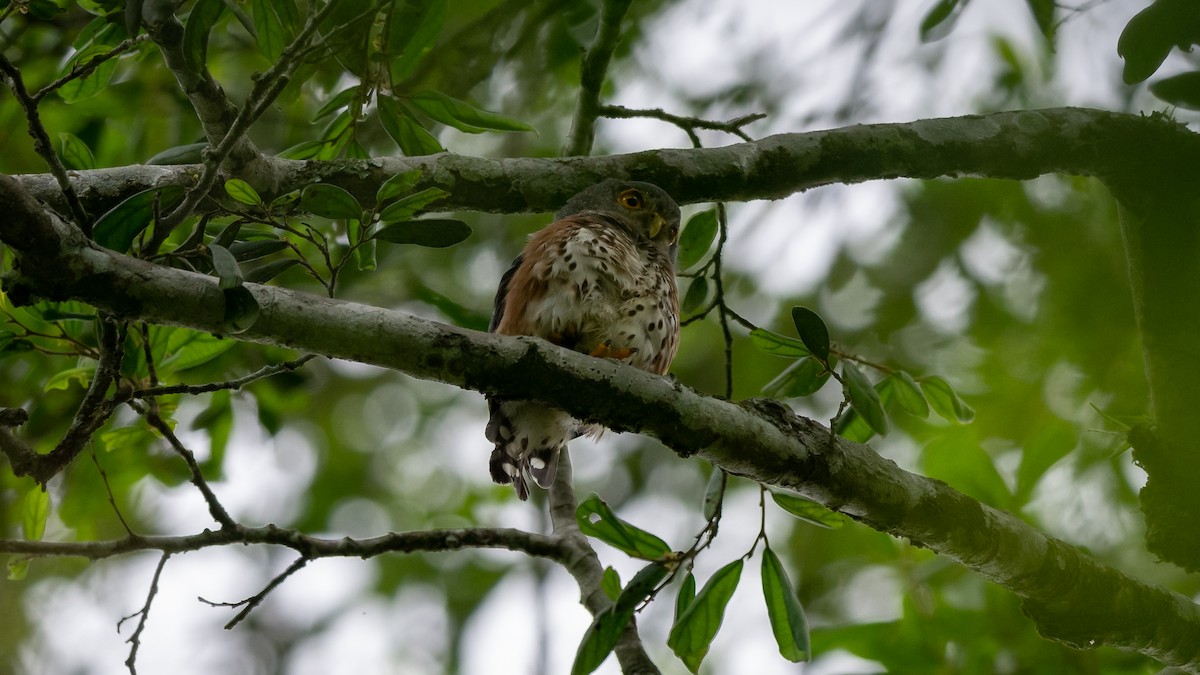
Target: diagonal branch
592	72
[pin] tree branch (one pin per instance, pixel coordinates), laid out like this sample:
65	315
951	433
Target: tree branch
592	72
1071	596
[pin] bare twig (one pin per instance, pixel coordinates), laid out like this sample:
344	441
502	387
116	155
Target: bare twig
81	70
108	489
261	373
215	508
43	146
688	124
135	640
592	72
253	601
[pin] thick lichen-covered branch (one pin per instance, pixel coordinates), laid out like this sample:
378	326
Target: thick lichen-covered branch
1071	596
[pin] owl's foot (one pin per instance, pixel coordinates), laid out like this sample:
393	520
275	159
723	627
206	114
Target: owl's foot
605	351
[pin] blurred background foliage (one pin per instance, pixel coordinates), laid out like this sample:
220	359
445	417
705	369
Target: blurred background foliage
1015	292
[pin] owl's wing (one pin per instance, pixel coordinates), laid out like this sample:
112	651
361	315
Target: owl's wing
502	293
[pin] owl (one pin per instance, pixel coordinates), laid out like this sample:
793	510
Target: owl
600	280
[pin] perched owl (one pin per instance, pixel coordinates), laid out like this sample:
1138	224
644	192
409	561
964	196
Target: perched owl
600	280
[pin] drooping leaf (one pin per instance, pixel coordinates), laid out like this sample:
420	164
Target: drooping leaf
398	185
812	330
1043	15
784	610
412	31
602	636
697	238
226	267
242	192
864	399
241	310
940	19
264	273
693	632
191	153
184	348
118	228
253	250
414	140
410	205
347	27
945	401
804	377
200	22
957	457
337	102
330	201
610	583
463	116
808	510
75	153
685	597
1151	34
1182	90
95	82
900	389
35	510
289	15
779	345
597	520
695	296
714	492
430	232
851	426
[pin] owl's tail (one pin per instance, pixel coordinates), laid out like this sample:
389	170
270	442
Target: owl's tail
529	438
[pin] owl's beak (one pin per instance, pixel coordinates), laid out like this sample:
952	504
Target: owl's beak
656	225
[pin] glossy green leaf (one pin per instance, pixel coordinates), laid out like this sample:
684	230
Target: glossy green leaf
812	331
808	510
900	389
779	345
851	426
191	153
336	102
610	583
185	348
804	377
431	232
695	296
605	630
264	273
414	140
412	31
397	186
1151	34
95	82
597	520
714	492
271	40
242	192
463	116
304	150
944	400
641	586
241	310
410	205
1182	90
253	250
940	19
226	267
200	21
693	632
75	153
697	238
330	201
864	399
784	610
957	457
685	597
35	511
62	379
118	228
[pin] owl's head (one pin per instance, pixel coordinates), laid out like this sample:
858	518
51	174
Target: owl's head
644	209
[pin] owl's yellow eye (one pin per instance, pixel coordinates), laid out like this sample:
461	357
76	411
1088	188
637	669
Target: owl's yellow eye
631	199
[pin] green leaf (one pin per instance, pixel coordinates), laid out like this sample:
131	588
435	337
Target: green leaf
75	153
808	510
192	153
397	185
241	310
779	345
693	632
1043	15
412	31
228	234
18	568
957	458
610	583
944	400
686	596
289	16
304	150
62	379
714	492
339	100
185	348
457	313
1053	440
697	238
431	232
351	20
804	377
864	399
641	586
939	20
413	139
226	267
788	622
271	40
199	24
851	426
97	81
899	389
253	250
697	293
264	273
813	332
330	201
242	192
597	520
1182	90
35	510
463	116
1151	34
605	630
117	229
408	206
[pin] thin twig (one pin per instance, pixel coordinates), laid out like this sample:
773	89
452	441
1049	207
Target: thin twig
592	72
253	601
215	508
722	306
264	372
108	489
135	640
43	146
688	124
79	71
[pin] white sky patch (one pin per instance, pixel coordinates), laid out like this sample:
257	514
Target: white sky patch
945	298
